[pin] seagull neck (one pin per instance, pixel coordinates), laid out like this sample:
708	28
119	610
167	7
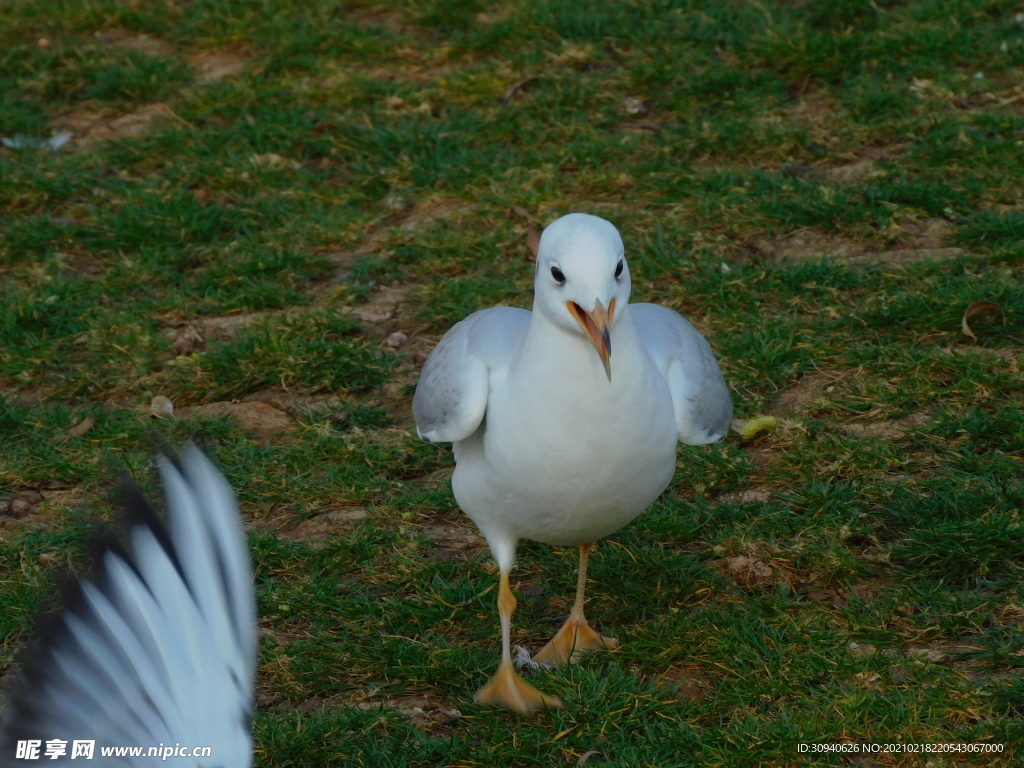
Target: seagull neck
552	346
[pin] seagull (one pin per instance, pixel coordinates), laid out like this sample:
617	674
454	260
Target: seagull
557	440
159	652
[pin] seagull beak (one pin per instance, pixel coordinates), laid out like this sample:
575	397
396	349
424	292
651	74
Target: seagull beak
596	327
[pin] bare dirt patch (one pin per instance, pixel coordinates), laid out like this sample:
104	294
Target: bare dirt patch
394	396
436	209
227	327
404	65
258	416
899	256
380	17
921	240
190	334
10	391
123	40
425	711
453	542
26	502
926	240
887	430
328	412
316	529
62	497
817	112
436	479
689	682
812	109
757	569
20	504
933	232
212	66
869	590
799	397
36	507
89	125
388	317
766	456
759	565
389	73
808	245
855	172
382	306
750	572
405	216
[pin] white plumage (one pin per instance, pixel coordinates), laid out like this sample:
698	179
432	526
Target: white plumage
565	455
162	650
565	419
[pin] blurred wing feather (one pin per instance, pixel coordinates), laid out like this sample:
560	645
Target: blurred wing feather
163	647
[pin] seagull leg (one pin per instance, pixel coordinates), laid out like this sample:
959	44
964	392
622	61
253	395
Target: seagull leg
575	637
507	689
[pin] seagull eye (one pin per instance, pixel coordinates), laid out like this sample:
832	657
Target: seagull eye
557	274
618	270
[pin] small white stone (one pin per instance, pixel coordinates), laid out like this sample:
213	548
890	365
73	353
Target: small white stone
395	340
634	106
161	406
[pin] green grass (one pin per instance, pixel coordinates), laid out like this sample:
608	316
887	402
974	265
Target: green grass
373	151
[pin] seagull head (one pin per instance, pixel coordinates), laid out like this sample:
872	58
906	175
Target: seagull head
582	276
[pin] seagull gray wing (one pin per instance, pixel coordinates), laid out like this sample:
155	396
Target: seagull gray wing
700	396
161	649
451	396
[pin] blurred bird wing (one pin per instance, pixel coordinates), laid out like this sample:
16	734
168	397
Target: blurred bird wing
162	649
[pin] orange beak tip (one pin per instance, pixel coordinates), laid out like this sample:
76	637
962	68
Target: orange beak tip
596	326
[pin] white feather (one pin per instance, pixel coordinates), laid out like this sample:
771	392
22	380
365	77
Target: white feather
165	650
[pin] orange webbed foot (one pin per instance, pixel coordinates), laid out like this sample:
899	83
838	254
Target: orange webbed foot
509	691
573	640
